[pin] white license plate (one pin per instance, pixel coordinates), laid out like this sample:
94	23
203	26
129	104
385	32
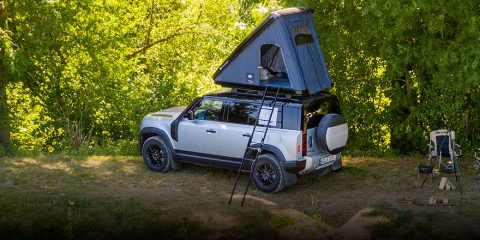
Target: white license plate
326	160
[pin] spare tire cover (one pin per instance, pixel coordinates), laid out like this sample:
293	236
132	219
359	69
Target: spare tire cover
332	133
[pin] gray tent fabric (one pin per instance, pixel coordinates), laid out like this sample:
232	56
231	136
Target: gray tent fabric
271	58
283	51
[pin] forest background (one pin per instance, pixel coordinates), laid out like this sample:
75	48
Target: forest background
80	74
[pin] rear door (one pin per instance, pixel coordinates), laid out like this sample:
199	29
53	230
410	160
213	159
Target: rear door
236	129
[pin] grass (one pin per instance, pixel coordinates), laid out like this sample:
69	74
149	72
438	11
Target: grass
86	196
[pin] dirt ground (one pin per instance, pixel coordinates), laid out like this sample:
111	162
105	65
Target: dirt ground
104	197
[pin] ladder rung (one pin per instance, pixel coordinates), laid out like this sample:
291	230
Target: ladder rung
249	159
244	181
256	148
247	171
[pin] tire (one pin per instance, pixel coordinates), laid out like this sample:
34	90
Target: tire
268	175
157	155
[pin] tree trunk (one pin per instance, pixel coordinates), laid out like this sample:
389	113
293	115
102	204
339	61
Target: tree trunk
4	123
4	118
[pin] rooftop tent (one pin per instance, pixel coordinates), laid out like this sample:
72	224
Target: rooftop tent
283	51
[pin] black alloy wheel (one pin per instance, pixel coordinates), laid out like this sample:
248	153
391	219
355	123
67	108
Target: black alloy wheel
267	174
157	155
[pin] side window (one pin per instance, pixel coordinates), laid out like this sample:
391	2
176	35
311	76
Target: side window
291	118
209	110
242	113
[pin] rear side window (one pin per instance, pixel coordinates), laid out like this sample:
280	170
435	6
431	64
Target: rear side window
242	113
283	117
314	111
292	118
246	113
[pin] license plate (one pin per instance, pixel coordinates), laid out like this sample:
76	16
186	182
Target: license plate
326	160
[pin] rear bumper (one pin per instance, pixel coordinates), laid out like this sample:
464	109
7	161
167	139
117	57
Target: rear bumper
319	161
295	166
312	163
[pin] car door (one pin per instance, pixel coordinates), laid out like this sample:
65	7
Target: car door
236	128
199	135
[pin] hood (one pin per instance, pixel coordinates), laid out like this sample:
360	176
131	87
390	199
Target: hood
173	112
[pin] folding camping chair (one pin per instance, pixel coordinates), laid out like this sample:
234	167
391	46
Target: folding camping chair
443	156
477	162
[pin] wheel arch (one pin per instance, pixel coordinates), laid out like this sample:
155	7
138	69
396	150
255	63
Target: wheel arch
267	148
149	132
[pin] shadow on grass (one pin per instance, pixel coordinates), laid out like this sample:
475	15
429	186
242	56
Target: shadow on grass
102	197
92	197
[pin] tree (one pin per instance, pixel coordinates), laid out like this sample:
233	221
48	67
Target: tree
4	48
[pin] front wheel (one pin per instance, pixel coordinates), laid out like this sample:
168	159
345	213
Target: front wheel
268	175
157	155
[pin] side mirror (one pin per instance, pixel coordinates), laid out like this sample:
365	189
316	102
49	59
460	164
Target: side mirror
189	115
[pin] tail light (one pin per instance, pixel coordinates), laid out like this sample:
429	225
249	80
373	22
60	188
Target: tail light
301	165
304	144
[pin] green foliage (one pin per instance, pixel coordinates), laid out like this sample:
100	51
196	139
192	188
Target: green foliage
82	74
402	69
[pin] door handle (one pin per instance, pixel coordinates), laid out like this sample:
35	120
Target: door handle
246	135
211	131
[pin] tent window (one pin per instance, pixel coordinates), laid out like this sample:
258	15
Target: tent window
302	35
272	69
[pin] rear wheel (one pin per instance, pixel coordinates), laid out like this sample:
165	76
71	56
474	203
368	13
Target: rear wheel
157	155
268	175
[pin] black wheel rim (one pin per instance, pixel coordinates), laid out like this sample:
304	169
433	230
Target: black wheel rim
155	156
265	174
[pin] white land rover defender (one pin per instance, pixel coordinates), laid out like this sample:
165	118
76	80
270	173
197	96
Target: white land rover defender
306	134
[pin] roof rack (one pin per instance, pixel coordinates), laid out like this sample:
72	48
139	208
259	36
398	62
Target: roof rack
255	94
285	95
288	94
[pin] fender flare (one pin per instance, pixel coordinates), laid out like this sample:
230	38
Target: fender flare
158	132
274	150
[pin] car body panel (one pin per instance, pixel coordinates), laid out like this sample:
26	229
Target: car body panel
199	136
